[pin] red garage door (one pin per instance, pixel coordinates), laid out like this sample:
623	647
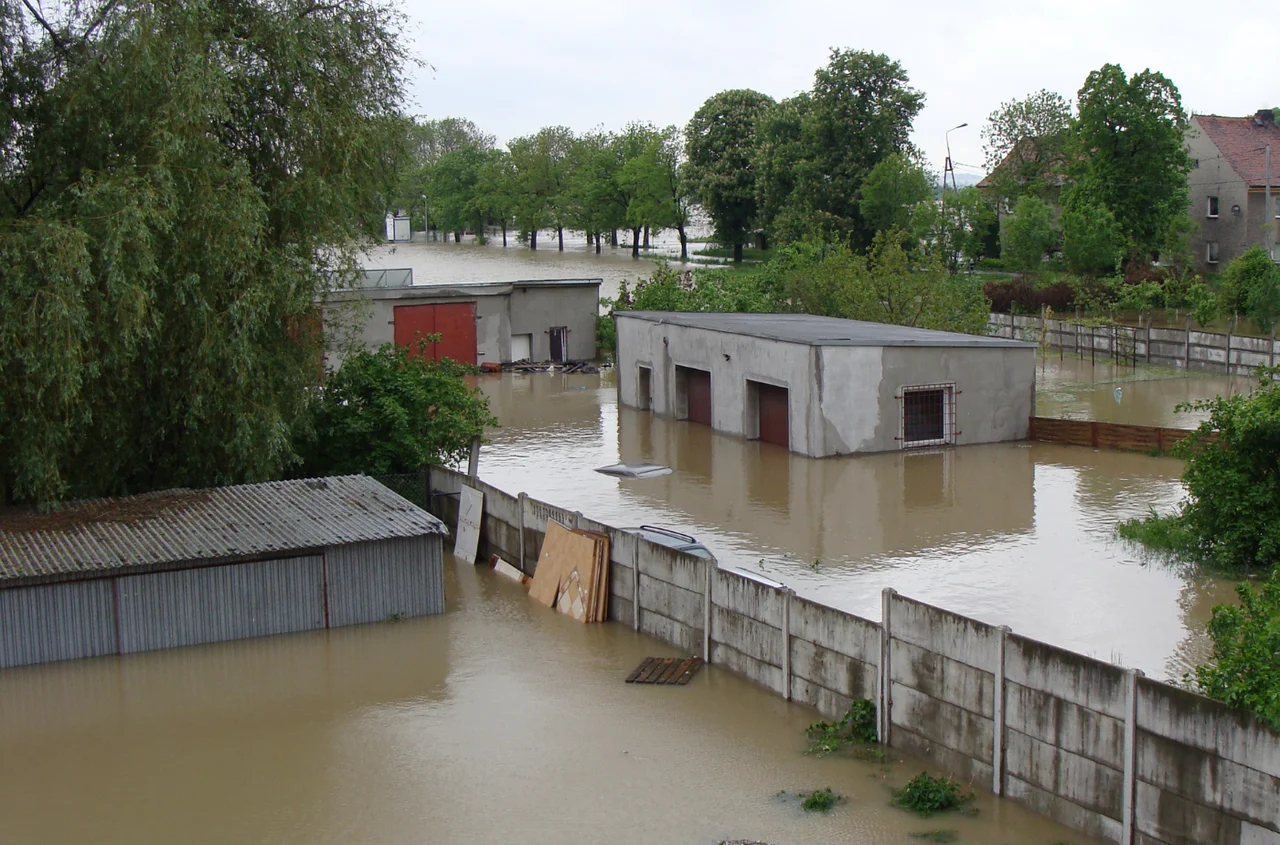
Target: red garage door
455	322
697	386
774	415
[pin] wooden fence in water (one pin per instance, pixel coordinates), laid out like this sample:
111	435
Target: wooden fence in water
1151	439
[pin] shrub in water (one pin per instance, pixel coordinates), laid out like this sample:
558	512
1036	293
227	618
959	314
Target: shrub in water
856	726
926	795
820	800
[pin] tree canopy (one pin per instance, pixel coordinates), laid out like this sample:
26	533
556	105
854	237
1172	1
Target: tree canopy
719	141
1024	145
178	180
1127	154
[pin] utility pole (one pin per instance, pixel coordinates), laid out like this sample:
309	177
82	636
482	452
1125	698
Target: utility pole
947	168
1268	215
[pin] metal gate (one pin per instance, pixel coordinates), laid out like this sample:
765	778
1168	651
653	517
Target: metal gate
774	414
455	322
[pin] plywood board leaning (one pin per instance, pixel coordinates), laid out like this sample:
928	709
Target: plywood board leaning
470	512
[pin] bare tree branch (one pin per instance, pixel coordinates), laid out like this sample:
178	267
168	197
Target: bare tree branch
57	41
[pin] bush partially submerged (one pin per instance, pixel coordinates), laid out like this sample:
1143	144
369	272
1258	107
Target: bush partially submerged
858	725
926	795
820	800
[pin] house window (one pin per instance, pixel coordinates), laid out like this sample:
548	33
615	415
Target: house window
1211	252
928	415
1211	209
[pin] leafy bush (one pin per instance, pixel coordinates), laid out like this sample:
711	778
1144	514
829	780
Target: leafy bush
820	800
858	725
388	410
1246	639
1251	286
1021	297
1092	243
926	795
1027	235
1231	516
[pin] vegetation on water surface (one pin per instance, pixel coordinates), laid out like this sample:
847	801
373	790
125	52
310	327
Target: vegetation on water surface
820	800
936	835
857	726
927	795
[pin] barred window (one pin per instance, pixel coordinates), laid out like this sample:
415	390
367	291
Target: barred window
928	415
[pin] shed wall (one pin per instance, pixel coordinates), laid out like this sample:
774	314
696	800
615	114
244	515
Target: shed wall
347	585
534	310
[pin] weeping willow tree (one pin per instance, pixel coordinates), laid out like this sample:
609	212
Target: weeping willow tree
175	175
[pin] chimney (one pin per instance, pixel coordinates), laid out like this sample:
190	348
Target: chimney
1264	117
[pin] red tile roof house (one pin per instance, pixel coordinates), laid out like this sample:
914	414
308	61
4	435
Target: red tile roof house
1228	184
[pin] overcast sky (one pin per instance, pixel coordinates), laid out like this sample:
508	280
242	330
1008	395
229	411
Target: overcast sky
514	67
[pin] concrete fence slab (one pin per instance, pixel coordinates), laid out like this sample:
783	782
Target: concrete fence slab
1070	676
837	672
682	570
1206	778
832	705
658	596
1071	777
1061	810
1173	820
1209	725
836	630
950	634
946	724
747	597
943	678
1074	728
749	636
762	673
686	638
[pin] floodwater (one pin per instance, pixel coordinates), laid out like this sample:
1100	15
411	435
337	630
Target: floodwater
1015	534
499	721
436	262
1074	388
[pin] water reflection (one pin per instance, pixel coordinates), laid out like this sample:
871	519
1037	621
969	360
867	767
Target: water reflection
1012	533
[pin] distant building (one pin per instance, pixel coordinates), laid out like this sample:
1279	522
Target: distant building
1228	183
822	386
185	567
498	322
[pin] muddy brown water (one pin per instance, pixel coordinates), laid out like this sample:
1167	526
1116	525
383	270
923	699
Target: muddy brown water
499	721
1016	534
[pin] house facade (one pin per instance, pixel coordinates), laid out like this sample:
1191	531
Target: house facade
1228	181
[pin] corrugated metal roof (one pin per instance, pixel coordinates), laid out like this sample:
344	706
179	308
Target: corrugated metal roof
176	526
812	330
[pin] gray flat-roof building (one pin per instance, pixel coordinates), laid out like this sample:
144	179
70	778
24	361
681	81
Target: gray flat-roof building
184	567
478	322
823	386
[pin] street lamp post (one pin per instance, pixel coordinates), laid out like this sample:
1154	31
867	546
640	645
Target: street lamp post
948	168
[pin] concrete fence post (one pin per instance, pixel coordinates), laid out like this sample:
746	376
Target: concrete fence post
577	520
1271	349
1231	324
635	584
1148	340
708	568
884	708
997	731
1186	346
1127	821
787	593
522	502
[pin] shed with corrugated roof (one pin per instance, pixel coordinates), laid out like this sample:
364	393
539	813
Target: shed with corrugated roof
185	567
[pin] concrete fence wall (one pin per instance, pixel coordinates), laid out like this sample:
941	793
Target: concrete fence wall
1095	746
1170	347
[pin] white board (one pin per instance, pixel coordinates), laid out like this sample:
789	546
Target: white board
470	509
521	347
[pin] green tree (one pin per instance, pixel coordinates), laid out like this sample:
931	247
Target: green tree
1092	243
719	142
543	166
392	410
779	161
1231	516
954	227
179	179
454	186
1251	286
1027	234
495	199
426	143
1244	671
1127	154
1024	145
891	192
858	113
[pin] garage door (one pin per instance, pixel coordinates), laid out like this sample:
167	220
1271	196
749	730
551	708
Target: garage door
697	385
774	415
455	322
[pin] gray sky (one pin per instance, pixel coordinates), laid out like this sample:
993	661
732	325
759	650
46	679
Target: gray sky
514	67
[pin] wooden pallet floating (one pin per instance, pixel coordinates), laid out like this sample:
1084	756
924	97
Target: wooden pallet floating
665	670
